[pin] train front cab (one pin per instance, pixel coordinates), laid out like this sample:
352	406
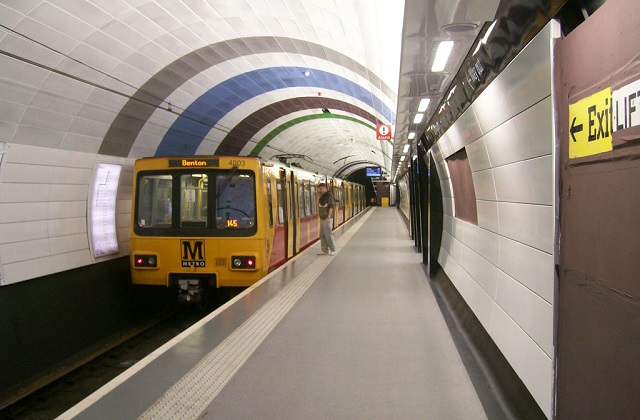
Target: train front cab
176	241
223	221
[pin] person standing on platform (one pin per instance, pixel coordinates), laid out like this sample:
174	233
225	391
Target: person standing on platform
326	204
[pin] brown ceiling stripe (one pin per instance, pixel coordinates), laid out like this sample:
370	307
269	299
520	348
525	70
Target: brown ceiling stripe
132	117
239	136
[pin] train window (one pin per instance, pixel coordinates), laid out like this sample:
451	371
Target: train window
154	201
282	216
314	208
194	189
307	200
300	195
268	181
235	201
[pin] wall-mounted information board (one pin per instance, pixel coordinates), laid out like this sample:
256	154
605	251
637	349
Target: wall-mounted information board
102	210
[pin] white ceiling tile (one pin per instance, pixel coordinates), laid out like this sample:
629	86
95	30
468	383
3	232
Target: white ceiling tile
61	21
202	9
21	73
223	28
141	23
21	6
22	47
125	34
189	38
129	74
159	15
60	85
143	63
84	11
225	8
112	7
9	17
291	28
157	53
180	11
108	45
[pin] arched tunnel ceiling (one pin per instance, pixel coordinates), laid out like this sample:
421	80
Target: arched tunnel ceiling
302	80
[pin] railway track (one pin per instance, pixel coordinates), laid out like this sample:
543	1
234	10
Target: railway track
105	363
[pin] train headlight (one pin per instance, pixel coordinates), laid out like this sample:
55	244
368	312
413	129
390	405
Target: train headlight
145	261
243	262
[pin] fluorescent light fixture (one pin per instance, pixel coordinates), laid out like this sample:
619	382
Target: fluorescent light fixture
402	158
418	118
406	148
442	55
412	135
424	104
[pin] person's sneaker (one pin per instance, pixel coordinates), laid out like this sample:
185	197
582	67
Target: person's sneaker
322	253
332	253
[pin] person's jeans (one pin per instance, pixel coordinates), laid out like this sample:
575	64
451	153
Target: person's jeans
327	243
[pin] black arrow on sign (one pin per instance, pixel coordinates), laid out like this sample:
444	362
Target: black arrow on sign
575	129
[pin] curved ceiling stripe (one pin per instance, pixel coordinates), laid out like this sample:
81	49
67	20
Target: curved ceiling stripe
192	126
350	165
239	136
273	133
134	114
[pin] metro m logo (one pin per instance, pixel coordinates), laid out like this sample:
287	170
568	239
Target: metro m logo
192	253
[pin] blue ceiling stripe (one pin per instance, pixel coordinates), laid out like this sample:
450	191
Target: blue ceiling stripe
191	127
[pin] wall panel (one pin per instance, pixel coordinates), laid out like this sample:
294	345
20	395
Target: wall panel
504	266
531	225
485	185
43	211
488	215
478	155
531	267
529	181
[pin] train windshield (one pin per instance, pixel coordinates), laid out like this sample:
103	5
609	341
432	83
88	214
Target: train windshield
207	203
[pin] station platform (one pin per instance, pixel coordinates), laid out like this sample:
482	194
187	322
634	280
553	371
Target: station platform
355	335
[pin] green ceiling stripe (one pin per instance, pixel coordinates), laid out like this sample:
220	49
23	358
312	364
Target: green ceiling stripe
266	139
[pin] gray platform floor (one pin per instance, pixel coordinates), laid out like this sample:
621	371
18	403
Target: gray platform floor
355	336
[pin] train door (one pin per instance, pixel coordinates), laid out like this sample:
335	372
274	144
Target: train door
293	207
339	209
269	220
290	223
280	240
349	201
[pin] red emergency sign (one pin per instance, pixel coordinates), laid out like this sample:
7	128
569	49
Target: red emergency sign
383	132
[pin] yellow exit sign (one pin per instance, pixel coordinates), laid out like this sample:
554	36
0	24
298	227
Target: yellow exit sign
594	119
591	125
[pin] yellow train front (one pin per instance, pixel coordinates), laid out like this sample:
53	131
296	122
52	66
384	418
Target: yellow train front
196	224
223	222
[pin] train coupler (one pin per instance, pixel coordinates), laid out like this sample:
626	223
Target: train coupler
190	291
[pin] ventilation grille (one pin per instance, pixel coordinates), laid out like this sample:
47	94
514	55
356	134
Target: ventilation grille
221	262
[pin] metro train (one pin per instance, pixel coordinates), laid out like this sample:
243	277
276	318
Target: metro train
209	222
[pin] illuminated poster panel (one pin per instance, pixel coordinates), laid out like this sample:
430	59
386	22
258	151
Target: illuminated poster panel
102	211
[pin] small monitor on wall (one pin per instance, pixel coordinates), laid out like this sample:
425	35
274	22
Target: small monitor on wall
374	171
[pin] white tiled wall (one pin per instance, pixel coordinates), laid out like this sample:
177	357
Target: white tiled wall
43	210
503	267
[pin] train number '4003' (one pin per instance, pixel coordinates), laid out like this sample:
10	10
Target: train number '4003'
238	163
